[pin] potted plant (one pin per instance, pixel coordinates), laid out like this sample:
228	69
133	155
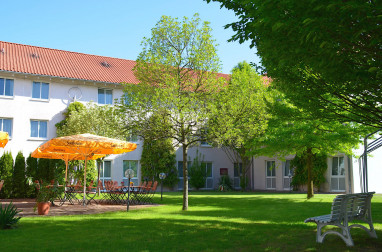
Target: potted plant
46	194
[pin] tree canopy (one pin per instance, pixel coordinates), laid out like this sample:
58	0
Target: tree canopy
177	70
325	55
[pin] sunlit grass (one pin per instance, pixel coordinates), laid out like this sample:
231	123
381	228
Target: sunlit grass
214	222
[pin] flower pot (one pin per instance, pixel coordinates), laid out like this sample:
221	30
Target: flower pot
43	208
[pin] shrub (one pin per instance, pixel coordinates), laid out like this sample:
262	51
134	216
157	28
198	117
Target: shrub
6	171
31	174
225	183
19	181
197	172
7	216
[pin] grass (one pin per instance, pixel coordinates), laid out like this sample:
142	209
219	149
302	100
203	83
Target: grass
214	222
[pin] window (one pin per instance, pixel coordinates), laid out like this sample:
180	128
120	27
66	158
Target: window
338	174
130	164
105	96
128	99
132	138
204	132
288	173
105	172
209	184
6	87
6	125
40	90
180	173
39	129
271	175
237	172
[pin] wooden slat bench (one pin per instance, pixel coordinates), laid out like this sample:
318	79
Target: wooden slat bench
346	208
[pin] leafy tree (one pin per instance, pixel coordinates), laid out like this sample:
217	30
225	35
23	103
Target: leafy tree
177	73
6	171
72	108
159	156
19	179
300	173
288	134
325	55
76	170
198	172
240	117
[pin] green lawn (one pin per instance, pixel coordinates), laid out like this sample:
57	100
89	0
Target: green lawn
214	222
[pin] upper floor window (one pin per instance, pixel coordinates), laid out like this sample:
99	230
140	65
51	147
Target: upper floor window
6	125
40	90
39	129
6	87
105	96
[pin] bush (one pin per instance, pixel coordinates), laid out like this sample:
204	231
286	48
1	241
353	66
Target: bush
31	174
225	183
19	181
197	172
7	216
6	171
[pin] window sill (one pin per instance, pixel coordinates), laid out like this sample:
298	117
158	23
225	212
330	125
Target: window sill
7	97
205	146
39	100
37	139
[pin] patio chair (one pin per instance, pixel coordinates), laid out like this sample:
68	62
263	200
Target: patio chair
1	184
145	192
151	193
91	192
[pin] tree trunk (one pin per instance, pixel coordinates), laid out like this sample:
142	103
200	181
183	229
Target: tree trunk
309	164
185	179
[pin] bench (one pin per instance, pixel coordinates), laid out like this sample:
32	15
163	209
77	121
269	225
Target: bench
346	208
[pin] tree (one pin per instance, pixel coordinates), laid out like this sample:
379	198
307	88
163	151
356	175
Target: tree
6	171
159	156
287	134
19	179
177	73
31	174
198	172
240	117
325	55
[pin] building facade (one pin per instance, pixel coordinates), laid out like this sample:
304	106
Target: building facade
37	85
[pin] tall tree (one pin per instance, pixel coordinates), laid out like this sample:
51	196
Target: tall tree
6	171
325	55
240	117
19	179
177	73
288	133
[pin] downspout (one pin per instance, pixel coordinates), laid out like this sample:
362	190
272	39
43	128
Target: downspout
350	172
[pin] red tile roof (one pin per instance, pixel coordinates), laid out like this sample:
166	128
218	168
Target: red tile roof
52	62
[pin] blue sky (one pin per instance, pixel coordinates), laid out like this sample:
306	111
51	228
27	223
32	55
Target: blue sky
113	28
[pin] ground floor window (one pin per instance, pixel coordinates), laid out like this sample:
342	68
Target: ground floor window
105	172
180	174
209	184
288	174
237	173
130	164
6	125
337	181
271	175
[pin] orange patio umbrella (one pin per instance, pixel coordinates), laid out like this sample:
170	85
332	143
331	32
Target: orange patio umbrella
87	145
63	156
4	137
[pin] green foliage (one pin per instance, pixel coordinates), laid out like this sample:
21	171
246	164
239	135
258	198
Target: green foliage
73	107
45	172
19	179
159	156
178	82
198	172
31	174
325	55
300	173
47	192
225	183
8	216
93	119
6	173
76	171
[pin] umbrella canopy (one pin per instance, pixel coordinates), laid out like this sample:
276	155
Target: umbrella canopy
64	156
4	137
87	145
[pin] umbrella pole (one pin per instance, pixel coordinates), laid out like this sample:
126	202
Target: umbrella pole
66	170
86	161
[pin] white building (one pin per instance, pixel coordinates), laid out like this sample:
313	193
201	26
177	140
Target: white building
37	84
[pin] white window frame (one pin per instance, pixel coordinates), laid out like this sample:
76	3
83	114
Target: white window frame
338	176
39	98
135	178
240	172
13	89
104	102
208	178
2	125
271	178
102	172
38	137
286	176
